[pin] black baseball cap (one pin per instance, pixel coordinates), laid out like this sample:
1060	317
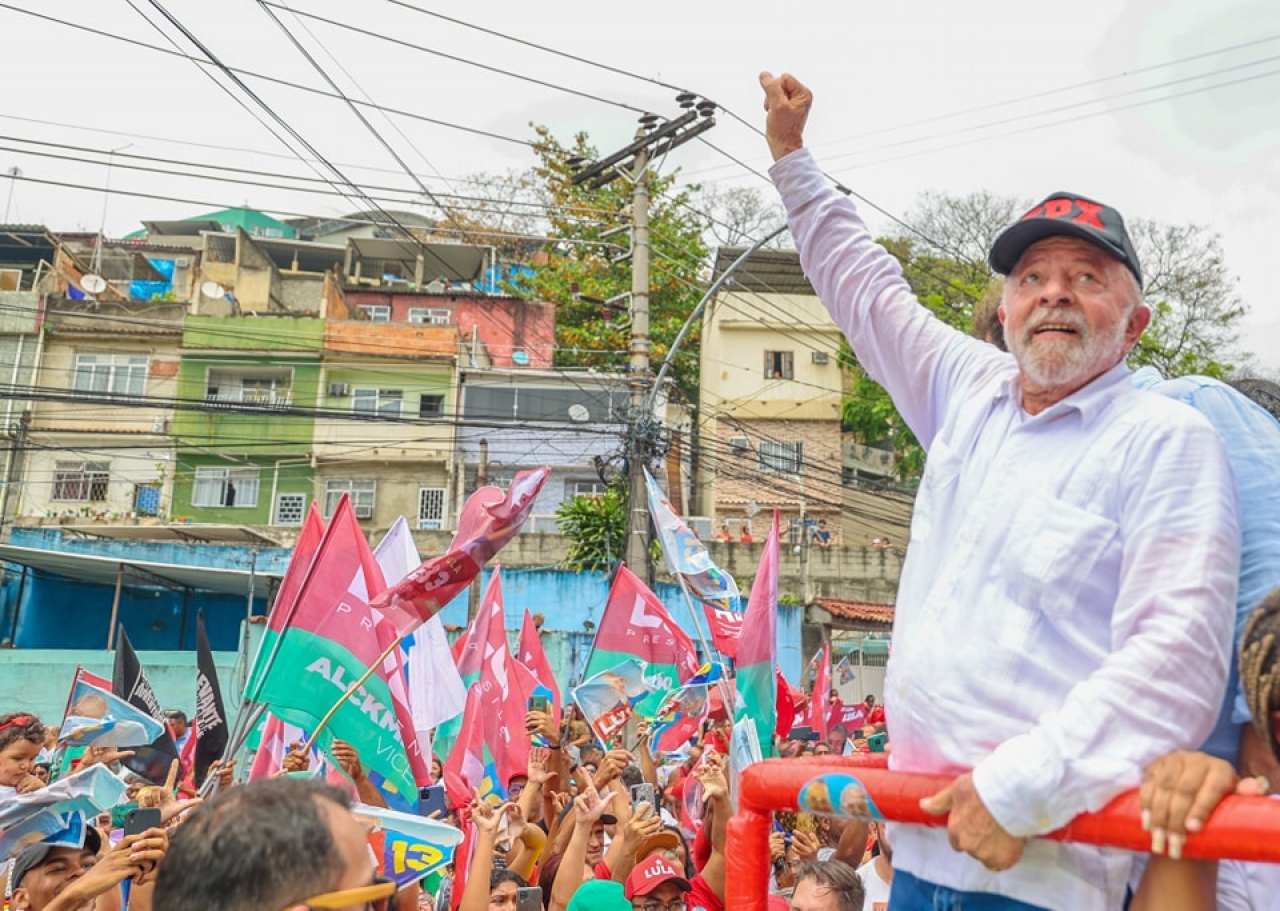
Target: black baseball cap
33	856
1070	215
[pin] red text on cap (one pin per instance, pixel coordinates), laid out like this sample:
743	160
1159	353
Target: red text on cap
1064	206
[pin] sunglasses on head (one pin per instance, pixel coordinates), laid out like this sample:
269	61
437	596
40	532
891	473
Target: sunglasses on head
16	721
376	896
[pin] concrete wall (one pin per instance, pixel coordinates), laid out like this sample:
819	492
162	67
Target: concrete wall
38	681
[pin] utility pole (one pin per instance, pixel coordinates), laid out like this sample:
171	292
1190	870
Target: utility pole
652	141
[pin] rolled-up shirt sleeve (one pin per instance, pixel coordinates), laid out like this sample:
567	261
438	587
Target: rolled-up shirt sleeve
1161	686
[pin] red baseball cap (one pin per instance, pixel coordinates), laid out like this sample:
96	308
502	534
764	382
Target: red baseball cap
650	875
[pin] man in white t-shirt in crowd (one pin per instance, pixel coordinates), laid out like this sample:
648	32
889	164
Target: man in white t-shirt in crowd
877	873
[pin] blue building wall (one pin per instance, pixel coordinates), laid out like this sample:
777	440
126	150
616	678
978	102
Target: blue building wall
57	613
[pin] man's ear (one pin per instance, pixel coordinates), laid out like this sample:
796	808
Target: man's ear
1139	320
20	901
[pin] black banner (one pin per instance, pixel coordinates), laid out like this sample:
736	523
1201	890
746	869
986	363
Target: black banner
129	682
211	718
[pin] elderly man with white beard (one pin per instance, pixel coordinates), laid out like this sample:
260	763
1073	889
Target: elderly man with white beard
1065	612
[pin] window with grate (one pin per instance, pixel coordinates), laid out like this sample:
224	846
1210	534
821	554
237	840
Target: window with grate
146	499
431	507
781	458
377	313
429	316
226	487
290	509
81	482
362	494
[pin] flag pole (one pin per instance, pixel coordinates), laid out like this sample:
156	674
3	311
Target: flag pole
707	647
240	729
333	710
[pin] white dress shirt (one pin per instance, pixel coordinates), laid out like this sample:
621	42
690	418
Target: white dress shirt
1066	607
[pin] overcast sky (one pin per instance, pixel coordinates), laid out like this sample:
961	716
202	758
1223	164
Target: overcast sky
1168	109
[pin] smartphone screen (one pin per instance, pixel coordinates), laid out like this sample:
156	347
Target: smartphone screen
529	898
139	819
643	793
539	704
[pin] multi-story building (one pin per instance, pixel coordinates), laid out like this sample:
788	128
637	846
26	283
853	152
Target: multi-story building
249	387
99	443
770	401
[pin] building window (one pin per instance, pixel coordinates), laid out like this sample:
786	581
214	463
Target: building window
500	478
146	499
290	508
362	496
587	489
781	458
80	482
384	403
377	313
429	316
780	365
261	389
431	507
430	406
226	487
107	374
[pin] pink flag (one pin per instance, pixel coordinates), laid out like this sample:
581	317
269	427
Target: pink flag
469	768
532	656
726	629
820	701
486	664
489	520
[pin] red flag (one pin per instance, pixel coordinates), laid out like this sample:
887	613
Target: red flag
329	636
187	755
636	624
489	520
304	552
533	657
820	701
726	629
487	659
467	768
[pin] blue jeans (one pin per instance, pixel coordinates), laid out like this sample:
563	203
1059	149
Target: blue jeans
912	894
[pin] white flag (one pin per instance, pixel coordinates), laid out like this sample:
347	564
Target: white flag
436	693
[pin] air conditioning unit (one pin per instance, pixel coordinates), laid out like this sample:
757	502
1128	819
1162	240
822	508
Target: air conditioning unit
339	390
740	444
182	262
821	357
364	512
429	525
160	425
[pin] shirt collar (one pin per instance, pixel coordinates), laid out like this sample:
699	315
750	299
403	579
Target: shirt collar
1088	401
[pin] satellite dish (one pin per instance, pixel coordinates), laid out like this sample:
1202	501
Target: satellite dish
578	413
214	290
94	284
753	509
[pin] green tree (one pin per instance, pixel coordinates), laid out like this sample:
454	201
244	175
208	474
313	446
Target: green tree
596	527
578	216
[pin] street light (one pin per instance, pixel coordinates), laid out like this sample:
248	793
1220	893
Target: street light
106	198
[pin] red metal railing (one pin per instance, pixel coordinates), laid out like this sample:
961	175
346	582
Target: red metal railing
1241	828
